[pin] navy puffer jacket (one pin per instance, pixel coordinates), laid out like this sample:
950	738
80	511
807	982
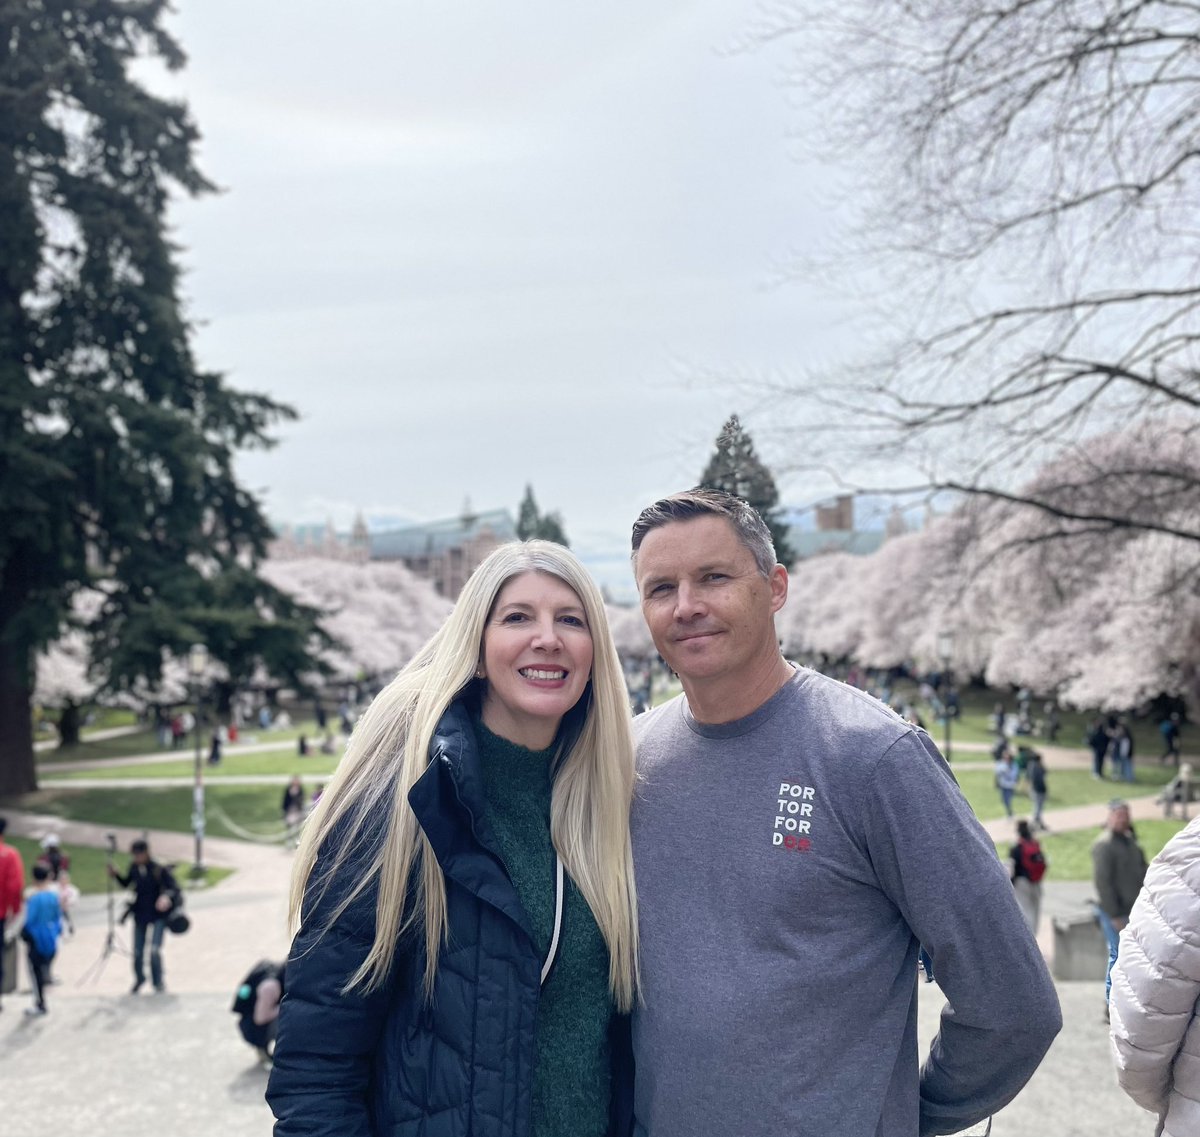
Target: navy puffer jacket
388	1064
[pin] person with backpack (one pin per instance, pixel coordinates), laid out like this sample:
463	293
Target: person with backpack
155	896
257	1005
1029	866
43	926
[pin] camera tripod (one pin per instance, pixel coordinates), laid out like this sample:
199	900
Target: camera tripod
112	941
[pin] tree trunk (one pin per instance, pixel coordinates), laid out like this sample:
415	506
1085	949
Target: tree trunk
69	721
18	775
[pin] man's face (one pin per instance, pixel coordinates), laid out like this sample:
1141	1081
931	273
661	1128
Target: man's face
1118	819
708	607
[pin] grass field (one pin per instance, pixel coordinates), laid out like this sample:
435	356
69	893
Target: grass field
146	742
284	761
1066	788
88	871
252	808
1069	855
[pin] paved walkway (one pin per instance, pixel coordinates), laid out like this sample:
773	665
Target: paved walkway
142	1063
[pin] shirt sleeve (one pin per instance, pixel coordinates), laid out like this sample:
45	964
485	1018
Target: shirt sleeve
941	870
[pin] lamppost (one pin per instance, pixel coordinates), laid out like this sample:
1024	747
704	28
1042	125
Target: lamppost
945	647
197	665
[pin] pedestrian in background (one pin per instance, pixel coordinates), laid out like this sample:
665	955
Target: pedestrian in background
1098	741
155	893
1028	868
12	885
1155	1000
43	926
1118	870
1008	774
293	808
1035	774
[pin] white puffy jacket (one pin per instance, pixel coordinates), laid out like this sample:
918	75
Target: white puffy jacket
1155	1016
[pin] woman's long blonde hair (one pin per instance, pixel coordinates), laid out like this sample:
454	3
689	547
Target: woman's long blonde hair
389	751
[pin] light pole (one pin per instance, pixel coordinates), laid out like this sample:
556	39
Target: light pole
945	647
197	665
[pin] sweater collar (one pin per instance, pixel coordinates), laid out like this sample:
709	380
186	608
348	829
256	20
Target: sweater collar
450	805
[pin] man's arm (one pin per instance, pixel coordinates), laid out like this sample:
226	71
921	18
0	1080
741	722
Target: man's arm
940	868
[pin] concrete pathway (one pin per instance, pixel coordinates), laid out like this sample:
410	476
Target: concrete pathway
104	1061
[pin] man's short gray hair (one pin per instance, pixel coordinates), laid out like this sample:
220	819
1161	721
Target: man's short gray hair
747	522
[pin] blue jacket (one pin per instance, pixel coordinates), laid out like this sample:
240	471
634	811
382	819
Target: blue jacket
389	1063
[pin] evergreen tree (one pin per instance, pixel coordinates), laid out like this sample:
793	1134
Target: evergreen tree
116	450
736	469
527	516
532	523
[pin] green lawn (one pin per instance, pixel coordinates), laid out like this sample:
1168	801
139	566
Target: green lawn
253	808
976	705
1066	788
146	742
284	761
1069	855
88	865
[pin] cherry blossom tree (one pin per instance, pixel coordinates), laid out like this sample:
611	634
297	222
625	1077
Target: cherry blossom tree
1054	600
379	612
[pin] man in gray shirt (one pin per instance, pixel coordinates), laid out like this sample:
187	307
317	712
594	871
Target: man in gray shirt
794	842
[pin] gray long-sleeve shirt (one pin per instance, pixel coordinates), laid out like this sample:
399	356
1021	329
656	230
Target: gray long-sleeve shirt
788	864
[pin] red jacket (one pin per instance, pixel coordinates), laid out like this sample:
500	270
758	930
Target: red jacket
12	881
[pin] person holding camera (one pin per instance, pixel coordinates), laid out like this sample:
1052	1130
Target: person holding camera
155	895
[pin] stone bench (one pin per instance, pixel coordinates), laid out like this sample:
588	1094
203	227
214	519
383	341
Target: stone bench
1080	950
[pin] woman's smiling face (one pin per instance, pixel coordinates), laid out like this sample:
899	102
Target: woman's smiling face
537	658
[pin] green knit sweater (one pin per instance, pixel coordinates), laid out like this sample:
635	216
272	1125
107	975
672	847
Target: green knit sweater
572	1078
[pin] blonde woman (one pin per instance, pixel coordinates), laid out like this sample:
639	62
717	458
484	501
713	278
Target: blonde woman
464	890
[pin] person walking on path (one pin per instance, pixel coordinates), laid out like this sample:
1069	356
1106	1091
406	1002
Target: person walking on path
1118	869
155	893
1035	774
1028	868
1098	740
42	927
12	886
293	808
1008	774
1155	1002
1122	752
795	841
1169	729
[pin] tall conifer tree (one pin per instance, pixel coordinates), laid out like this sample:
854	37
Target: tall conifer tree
737	469
116	450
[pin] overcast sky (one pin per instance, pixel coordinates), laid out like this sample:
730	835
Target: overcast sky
478	245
